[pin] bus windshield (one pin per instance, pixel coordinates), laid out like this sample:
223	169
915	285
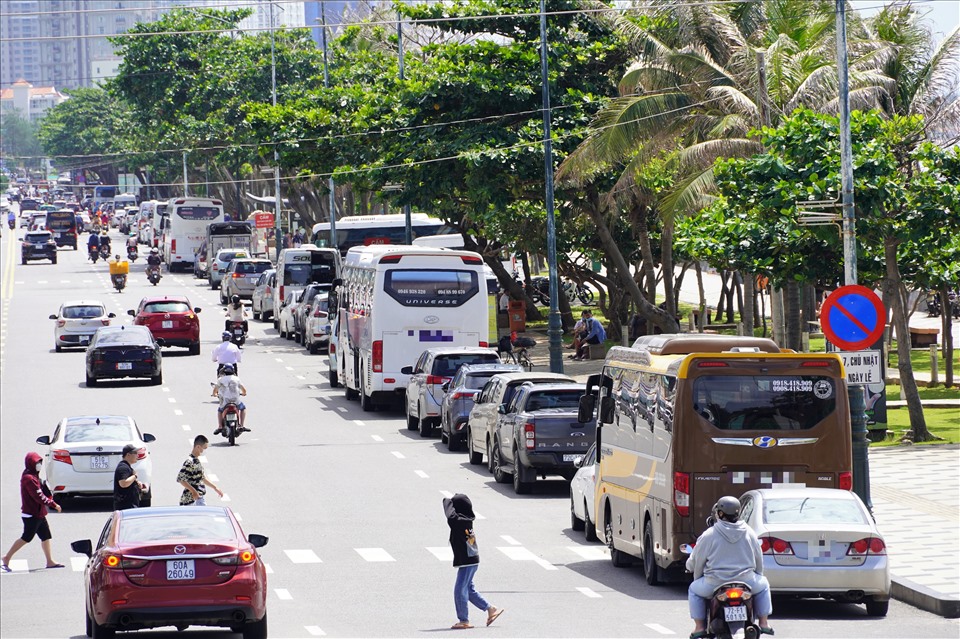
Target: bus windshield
746	402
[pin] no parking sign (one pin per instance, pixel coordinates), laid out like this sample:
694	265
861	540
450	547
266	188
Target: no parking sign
853	318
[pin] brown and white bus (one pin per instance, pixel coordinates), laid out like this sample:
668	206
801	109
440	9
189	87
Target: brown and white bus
685	419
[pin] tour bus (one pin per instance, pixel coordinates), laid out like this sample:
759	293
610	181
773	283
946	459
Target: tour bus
395	301
366	230
297	267
145	221
187	220
103	195
685	419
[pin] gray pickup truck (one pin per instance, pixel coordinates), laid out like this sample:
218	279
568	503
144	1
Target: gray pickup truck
537	433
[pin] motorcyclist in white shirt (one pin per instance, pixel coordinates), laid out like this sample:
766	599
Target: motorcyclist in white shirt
229	389
227	353
236	312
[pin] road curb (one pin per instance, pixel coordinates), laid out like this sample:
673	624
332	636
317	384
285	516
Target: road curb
924	598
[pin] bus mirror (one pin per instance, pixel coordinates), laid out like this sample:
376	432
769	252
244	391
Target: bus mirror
336	282
588	404
606	410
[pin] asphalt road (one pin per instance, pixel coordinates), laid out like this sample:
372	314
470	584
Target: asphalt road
351	501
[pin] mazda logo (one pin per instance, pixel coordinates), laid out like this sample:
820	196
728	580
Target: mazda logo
179	549
431	319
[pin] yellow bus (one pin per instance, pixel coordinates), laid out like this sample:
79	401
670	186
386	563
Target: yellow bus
685	419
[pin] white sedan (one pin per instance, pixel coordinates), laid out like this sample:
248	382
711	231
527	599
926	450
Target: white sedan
77	321
286	323
316	334
582	495
820	542
84	451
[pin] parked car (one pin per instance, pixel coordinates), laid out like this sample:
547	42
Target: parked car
77	321
38	245
123	351
538	434
304	307
285	321
200	262
171	319
458	397
482	422
434	367
241	278
154	567
219	264
84	451
316	332
261	300
820	542
582	495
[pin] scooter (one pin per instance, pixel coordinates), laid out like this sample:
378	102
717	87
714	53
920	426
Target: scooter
94	255
231	423
104	251
237	332
132	253
119	282
153	274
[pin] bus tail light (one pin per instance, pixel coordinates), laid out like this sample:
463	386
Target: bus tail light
711	364
470	259
775	546
845	481
391	259
173	246
681	493
530	435
819	363
378	356
281	294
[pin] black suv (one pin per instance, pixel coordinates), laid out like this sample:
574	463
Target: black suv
38	245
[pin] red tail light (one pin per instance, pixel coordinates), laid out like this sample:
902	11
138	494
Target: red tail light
142	452
132	564
484	344
61	323
867	546
435	379
333	348
281	294
820	363
391	259
711	364
845	481
470	259
242	558
681	493
463	395
319	313
61	455
378	357
530	435
173	246
105	322
237	275
775	546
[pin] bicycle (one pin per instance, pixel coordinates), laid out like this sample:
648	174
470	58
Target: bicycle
516	352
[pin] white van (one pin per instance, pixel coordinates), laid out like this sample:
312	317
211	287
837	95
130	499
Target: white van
123	201
297	267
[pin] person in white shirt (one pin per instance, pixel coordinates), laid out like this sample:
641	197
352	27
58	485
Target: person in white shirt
236	312
229	388
227	353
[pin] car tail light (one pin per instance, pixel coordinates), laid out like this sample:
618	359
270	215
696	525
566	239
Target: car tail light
391	259
281	294
333	348
173	246
711	364
463	395
105	322
242	558
215	267
435	379
237	276
377	352
530	435
845	480
61	455
132	564
775	546
61	323
112	561
867	546
142	452
681	493
484	344
469	259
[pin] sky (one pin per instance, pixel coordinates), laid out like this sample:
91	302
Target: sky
943	16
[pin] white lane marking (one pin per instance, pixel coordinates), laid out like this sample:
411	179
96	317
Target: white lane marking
519	553
589	593
341	409
78	563
591	552
300	377
212	477
443	553
165	389
18	565
289	368
283	593
397	454
267	569
422	474
87	281
278	359
185	426
177	412
359	422
663	630
315	631
64	281
172	400
305	556
377	438
510	540
447	494
42	282
374	554
225	497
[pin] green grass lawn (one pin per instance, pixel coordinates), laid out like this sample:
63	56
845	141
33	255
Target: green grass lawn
942	422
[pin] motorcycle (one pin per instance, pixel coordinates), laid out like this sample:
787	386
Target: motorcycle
104	251
94	254
730	609
119	282
231	423
541	291
132	253
933	305
153	274
237	332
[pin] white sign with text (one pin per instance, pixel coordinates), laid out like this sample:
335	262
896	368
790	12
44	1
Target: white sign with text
862	367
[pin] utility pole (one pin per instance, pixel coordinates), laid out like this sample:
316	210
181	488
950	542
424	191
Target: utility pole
858	418
326	85
407	224
276	153
186	191
553	321
777	315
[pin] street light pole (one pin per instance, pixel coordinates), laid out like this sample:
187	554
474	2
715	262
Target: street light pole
407	224
553	321
326	85
276	153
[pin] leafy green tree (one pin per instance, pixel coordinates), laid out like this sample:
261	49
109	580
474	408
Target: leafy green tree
18	140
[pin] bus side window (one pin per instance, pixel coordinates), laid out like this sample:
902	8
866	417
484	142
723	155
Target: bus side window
666	396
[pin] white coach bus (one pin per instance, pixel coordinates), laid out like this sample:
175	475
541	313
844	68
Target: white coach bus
186	229
395	301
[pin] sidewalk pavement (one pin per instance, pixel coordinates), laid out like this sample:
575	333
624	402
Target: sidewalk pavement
915	492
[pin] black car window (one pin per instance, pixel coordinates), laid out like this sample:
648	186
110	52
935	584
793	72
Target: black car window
447	365
477	381
37	238
105	533
166	307
95	432
82	312
250	268
124	336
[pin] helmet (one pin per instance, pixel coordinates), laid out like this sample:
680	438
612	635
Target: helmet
235	299
228	369
225	335
154	250
728	507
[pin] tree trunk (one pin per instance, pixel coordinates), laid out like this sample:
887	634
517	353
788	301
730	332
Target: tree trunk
646	253
702	315
908	383
946	327
677	287
791	303
749	300
721	302
666	266
730	290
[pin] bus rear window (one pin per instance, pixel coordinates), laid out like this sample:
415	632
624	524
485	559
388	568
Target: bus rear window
431	288
746	402
197	212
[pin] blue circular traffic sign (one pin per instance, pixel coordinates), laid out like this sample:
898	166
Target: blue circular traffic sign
853	318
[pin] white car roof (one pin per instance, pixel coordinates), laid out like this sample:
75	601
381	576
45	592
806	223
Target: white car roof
804	492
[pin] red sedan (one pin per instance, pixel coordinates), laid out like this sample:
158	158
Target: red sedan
174	566
171	319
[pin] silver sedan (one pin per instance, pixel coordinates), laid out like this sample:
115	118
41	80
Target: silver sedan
820	542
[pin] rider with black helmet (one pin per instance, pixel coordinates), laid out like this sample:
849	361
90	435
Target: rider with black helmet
236	312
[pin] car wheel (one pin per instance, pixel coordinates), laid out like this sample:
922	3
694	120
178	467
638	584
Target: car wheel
157	379
412	422
297	337
520	486
475	458
314	348
426	425
100	632
589	529
453	442
497	463
256	630
489	457
877	608
223	300
53	260
575	522
618	558
91	381
651	571
195	348
334	379
349	392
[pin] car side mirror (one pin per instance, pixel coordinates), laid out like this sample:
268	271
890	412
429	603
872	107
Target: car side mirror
44	440
84	547
161	341
407	370
445	386
147	438
131	313
258	541
196	309
111	315
53	317
502	409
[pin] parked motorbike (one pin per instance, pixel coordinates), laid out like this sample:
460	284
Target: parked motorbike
238	335
541	291
153	274
132	253
231	423
933	305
